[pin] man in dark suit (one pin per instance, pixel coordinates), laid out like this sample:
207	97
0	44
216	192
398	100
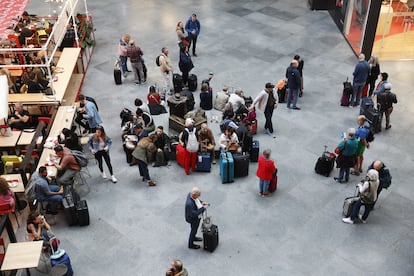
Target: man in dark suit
194	209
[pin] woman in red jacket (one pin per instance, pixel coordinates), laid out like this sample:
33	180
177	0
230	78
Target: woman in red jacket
265	169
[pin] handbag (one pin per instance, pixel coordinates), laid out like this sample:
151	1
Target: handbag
339	151
5	129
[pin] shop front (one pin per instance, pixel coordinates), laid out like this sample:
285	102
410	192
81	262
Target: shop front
383	29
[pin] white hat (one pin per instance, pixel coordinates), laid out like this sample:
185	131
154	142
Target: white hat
387	85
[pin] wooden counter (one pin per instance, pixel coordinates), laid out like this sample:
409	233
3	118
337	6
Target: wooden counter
63	119
21	255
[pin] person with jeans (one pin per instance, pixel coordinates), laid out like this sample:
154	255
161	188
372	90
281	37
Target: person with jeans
166	69
90	112
346	160
68	165
192	27
194	209
361	73
99	144
135	56
45	192
294	83
123	53
265	170
385	100
267	101
144	147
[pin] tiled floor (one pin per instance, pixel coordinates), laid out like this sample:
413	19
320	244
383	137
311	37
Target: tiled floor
137	230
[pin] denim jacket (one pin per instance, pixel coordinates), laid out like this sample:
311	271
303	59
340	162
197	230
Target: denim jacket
94	144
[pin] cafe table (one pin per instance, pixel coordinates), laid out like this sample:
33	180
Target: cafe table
10	141
15	181
22	255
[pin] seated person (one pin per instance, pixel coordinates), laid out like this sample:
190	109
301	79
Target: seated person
69	38
143	106
20	118
38	228
145	119
228	113
153	96
34	86
222	98
162	144
206	141
229	141
67	167
46	192
245	136
70	139
40	72
236	99
6	194
24	33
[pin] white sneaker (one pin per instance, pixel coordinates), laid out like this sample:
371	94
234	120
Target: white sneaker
104	175
360	218
348	220
114	180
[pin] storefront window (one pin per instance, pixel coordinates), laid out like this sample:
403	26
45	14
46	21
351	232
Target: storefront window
355	14
394	37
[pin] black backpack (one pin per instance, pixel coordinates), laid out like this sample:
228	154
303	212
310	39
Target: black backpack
157	60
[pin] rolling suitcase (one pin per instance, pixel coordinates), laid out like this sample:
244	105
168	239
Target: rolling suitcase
254	153
366	102
364	92
69	209
374	118
82	212
117	73
206	100
178	83
325	163
192	82
203	163
346	93
349	204
65	260
254	126
273	184
210	233
241	165
180	154
226	167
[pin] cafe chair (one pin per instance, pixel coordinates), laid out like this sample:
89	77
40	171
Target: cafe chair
8	209
11	162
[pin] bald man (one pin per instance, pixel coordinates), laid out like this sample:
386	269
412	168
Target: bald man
20	118
194	209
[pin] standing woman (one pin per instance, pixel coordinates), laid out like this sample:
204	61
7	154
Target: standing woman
265	170
99	145
373	73
182	35
185	64
346	160
123	53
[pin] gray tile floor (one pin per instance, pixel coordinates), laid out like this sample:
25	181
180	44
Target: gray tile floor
137	230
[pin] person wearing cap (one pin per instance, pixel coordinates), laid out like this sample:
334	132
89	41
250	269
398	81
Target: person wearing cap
131	141
294	84
190	157
67	166
267	101
192	27
360	73
385	101
221	99
346	160
367	196
361	134
194	208
135	55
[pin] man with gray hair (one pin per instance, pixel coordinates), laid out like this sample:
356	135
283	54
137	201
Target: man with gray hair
361	73
236	99
194	209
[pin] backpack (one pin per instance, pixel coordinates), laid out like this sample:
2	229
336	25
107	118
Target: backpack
370	136
367	196
80	158
192	143
157	60
385	180
30	191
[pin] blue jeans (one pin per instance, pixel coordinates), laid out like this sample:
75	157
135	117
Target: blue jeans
264	186
194	227
143	169
54	200
295	96
342	172
357	206
356	93
124	64
268	115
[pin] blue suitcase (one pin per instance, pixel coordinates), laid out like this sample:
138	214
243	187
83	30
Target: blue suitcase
226	167
63	260
203	163
254	153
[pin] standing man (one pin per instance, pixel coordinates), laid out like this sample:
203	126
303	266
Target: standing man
361	73
166	68
135	55
20	118
68	165
192	27
90	112
361	135
194	209
294	83
45	192
385	100
267	101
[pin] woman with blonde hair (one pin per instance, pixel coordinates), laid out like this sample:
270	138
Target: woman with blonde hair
99	145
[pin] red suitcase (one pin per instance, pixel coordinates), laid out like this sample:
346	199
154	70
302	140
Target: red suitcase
254	127
273	184
180	154
364	91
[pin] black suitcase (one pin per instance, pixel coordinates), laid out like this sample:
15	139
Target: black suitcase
206	100
322	4
190	99
82	212
254	153
325	163
374	118
241	165
192	82
69	209
366	103
210	233
349	203
178	83
117	76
